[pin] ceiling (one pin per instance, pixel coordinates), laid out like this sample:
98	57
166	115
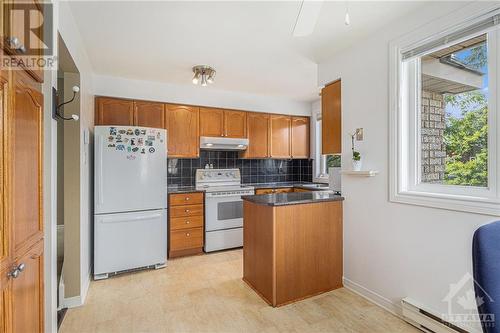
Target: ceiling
250	44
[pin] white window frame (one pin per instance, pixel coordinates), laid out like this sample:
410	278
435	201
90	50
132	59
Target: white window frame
319	162
405	169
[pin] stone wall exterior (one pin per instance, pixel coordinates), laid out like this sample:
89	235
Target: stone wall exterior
433	123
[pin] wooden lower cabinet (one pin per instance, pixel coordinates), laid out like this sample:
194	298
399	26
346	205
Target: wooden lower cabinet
274	190
186	224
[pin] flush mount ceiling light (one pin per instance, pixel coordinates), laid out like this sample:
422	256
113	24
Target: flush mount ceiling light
204	74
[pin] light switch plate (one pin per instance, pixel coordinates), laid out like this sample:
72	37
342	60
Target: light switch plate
359	134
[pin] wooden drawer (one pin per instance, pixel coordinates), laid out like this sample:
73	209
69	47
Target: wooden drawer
186	239
188	222
187	210
186	199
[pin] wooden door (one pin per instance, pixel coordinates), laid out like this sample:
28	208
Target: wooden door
280	136
149	114
331	119
27	292
235	124
114	111
258	135
300	137
183	131
211	122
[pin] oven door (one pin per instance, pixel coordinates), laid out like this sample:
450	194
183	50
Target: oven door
223	211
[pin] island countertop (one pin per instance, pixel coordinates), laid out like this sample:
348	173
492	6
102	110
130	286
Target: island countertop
293	198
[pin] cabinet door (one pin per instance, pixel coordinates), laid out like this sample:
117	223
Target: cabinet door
211	122
280	136
183	131
14	27
25	165
331	121
235	124
114	111
258	135
300	137
5	104
149	114
27	292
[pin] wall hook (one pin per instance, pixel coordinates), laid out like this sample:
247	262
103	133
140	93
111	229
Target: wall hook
74	117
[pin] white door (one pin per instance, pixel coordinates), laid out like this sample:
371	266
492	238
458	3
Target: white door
129	240
130	169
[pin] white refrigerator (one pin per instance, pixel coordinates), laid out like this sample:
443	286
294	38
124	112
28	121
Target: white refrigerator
130	199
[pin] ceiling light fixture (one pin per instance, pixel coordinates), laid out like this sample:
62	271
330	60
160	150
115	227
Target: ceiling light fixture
204	74
347	19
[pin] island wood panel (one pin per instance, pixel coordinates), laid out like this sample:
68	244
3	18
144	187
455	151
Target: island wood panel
308	250
235	124
114	111
258	135
300	137
149	114
258	252
183	131
331	121
211	122
280	136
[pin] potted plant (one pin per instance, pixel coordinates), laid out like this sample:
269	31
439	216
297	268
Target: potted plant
356	160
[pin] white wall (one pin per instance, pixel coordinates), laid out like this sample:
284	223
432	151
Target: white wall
392	250
69	32
196	95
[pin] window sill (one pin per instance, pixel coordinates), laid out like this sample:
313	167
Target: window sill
478	205
323	180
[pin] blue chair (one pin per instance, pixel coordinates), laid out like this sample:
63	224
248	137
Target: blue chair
486	267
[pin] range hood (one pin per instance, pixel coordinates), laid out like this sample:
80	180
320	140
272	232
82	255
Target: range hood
216	143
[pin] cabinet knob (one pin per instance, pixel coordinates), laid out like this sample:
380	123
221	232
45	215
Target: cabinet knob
187	210
15	44
187	199
188	234
14	273
187	222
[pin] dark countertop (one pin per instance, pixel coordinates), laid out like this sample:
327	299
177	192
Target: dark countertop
172	189
293	198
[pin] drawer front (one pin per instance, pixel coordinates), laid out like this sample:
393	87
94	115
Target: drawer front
186	239
187	222
187	210
186	199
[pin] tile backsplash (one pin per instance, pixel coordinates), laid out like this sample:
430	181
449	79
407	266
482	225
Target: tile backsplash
182	171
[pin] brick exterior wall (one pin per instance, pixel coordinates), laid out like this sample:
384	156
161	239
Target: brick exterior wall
432	136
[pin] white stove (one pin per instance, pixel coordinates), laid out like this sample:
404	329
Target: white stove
223	207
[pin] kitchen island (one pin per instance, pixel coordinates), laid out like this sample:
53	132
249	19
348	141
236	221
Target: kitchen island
292	244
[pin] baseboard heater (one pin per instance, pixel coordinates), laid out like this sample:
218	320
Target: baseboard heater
414	313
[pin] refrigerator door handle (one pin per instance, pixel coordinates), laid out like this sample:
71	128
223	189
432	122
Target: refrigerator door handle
100	190
130	219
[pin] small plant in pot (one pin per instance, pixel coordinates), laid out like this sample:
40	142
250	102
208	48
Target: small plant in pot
356	160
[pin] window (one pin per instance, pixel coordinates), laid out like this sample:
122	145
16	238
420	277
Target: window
444	118
322	162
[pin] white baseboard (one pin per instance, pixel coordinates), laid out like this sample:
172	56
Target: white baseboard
72	302
86	286
394	308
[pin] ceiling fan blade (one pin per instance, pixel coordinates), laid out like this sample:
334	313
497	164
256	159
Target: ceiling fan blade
308	16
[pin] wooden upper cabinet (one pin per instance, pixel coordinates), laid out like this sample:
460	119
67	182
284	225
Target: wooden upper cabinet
114	111
280	136
183	131
331	121
211	122
26	161
235	124
300	137
149	114
258	135
223	123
